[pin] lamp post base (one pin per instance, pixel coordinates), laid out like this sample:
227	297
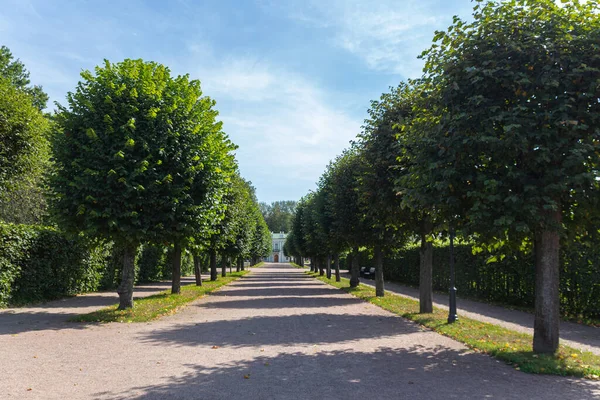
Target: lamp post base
452	317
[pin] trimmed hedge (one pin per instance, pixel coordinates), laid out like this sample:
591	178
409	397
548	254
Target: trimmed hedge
510	280
155	264
40	263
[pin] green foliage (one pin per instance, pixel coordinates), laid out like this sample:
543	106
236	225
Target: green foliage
519	114
18	76
41	263
278	215
23	129
388	215
140	155
24	146
243	231
153	264
504	275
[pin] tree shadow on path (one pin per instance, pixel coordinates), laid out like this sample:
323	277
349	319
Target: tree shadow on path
384	373
54	315
318	328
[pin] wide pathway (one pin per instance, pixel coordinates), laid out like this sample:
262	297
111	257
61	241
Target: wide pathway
53	315
274	334
579	336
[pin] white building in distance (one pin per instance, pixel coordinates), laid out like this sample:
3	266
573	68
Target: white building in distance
276	256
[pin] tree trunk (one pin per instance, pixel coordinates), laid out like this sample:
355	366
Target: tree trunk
125	289
237	265
329	266
379	288
321	269
223	266
312	264
337	268
426	270
213	265
176	280
242	264
197	270
547	300
355	269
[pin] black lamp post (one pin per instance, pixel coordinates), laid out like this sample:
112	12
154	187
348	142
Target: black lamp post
452	317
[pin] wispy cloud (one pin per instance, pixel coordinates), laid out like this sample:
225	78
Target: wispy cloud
387	35
292	79
288	129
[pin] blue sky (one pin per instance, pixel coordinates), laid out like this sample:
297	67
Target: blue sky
292	79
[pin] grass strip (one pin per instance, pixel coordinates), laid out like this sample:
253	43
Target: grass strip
155	306
514	348
296	265
260	264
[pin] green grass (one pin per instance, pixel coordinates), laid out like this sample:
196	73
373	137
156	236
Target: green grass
514	348
260	264
155	306
297	266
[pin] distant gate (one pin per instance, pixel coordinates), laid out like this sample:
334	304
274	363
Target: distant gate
276	258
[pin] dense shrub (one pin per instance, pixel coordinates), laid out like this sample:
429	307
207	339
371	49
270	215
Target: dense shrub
41	263
508	280
153	264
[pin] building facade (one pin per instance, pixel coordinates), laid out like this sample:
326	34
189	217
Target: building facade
277	256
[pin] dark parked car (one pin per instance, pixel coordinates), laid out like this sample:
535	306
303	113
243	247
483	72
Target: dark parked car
369	273
363	270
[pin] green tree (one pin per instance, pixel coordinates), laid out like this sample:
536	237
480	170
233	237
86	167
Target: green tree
24	145
234	234
389	222
344	207
279	215
517	147
415	109
18	76
261	237
24	154
133	155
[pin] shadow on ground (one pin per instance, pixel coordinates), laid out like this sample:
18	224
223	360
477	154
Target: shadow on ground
54	315
578	333
385	373
281	330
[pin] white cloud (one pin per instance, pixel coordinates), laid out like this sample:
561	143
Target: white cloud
387	35
287	128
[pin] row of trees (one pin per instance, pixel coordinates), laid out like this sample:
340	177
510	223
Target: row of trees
498	141
278	214
136	156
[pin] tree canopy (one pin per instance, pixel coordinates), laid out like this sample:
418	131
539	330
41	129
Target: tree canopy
140	156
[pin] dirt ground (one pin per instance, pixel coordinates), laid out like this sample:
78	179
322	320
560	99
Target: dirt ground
273	334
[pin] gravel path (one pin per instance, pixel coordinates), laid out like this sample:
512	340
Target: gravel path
579	336
274	334
55	314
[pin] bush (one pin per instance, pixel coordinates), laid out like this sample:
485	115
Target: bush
153	264
41	263
508	280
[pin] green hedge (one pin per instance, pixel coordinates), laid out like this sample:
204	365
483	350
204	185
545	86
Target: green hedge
40	263
510	280
155	264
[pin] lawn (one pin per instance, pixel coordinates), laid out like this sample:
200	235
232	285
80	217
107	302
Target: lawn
155	306
514	348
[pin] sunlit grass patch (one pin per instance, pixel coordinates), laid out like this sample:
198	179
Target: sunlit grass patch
155	306
514	348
